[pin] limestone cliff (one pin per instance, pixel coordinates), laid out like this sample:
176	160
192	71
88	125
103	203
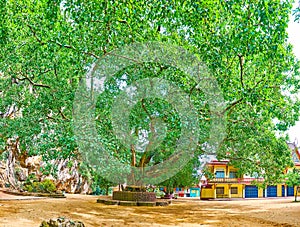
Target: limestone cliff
16	167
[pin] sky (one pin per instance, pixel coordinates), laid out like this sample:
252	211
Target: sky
294	39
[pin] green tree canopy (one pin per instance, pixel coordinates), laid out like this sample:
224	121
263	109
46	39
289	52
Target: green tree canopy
293	180
46	47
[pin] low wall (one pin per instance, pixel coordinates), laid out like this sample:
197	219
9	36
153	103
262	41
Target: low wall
134	196
36	194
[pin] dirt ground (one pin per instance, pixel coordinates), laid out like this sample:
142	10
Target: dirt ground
183	212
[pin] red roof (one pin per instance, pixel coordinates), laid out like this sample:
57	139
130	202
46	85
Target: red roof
216	162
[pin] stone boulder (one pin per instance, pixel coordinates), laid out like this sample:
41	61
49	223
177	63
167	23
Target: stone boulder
61	222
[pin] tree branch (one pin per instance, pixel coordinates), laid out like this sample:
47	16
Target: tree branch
63	115
32	83
143	160
35	35
123	21
73	48
233	105
59	44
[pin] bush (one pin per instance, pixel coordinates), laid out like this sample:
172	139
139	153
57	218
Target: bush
47	186
29	188
44	186
159	194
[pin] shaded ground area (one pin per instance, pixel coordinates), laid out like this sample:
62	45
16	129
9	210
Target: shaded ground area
188	212
5	196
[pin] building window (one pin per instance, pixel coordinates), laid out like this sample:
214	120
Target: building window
232	174
220	174
220	190
234	190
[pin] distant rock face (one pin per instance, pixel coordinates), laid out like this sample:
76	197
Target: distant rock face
69	179
16	169
3	176
61	222
21	174
7	167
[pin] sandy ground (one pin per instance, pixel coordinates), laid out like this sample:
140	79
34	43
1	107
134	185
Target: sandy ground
188	212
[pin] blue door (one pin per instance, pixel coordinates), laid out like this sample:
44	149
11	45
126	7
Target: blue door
282	191
290	191
251	191
272	191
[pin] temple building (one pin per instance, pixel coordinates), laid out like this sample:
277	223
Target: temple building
226	183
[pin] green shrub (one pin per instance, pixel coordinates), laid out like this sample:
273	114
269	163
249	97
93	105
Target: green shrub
47	186
159	194
44	186
4	155
28	188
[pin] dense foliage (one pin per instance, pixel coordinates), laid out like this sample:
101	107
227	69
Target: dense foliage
46	47
293	180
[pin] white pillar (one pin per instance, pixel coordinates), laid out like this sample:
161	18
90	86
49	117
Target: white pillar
266	192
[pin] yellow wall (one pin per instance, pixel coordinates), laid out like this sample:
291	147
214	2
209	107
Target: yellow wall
261	192
226	170
240	191
279	190
226	188
207	193
211	192
295	188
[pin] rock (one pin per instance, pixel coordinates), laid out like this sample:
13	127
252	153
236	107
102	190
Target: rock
69	179
44	224
61	222
33	161
21	173
53	223
17	166
162	203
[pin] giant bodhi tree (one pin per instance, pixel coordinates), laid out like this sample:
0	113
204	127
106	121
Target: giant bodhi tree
47	47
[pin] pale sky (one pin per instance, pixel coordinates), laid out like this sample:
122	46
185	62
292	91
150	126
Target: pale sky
294	39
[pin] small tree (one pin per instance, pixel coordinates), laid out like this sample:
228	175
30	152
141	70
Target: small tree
184	178
293	179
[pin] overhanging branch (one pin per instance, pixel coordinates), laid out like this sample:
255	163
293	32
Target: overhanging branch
32	83
233	105
59	44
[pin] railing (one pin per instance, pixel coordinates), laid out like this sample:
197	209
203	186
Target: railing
234	180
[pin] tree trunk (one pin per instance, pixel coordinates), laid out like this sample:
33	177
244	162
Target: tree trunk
133	155
133	164
13	149
107	187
